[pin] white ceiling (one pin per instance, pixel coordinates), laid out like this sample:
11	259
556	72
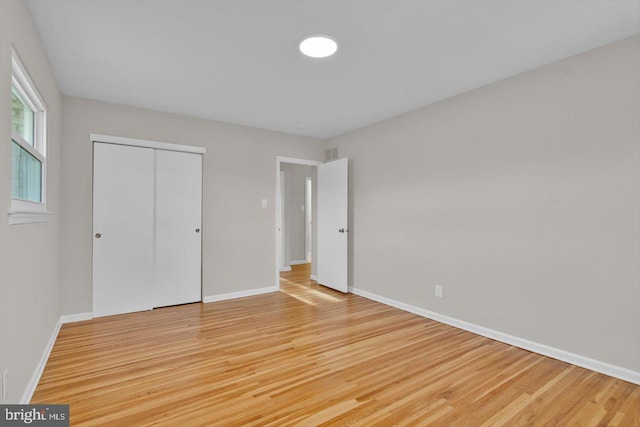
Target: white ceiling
237	61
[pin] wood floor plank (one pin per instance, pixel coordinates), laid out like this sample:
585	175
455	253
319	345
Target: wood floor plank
308	356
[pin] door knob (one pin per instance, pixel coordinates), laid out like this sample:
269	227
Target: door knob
197	230
98	235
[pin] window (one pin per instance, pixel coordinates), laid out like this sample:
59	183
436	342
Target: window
28	149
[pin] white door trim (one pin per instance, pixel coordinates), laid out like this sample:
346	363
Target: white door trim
308	218
146	143
279	160
280	223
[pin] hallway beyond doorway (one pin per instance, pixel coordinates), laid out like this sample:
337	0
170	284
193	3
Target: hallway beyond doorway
299	275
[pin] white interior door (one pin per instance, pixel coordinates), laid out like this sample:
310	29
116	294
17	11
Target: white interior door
123	262
333	225
178	217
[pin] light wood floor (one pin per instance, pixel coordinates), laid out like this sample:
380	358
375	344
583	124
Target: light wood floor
311	356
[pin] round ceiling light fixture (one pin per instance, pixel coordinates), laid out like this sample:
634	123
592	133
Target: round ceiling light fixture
318	46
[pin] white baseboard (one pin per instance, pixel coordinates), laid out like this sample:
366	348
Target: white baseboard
313	277
285	268
565	356
37	373
78	317
240	294
303	261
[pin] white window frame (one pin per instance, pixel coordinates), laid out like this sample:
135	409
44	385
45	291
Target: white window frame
23	211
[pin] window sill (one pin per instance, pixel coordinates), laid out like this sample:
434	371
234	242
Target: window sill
16	217
23	212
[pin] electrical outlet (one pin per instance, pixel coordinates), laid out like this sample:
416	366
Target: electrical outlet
439	291
5	385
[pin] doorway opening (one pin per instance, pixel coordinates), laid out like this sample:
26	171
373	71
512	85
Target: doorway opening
328	242
295	213
295	222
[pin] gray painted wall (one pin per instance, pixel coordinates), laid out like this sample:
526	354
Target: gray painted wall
294	237
239	170
29	253
519	198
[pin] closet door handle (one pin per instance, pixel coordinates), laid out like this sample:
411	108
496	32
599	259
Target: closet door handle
197	230
98	235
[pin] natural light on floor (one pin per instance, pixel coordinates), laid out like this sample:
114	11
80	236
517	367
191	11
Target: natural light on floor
314	293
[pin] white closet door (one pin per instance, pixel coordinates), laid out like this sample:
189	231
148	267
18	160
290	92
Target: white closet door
178	244
122	229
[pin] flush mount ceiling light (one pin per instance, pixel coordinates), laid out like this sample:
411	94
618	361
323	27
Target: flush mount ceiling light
318	46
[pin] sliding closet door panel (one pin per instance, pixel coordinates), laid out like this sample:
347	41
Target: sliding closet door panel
178	222
123	262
